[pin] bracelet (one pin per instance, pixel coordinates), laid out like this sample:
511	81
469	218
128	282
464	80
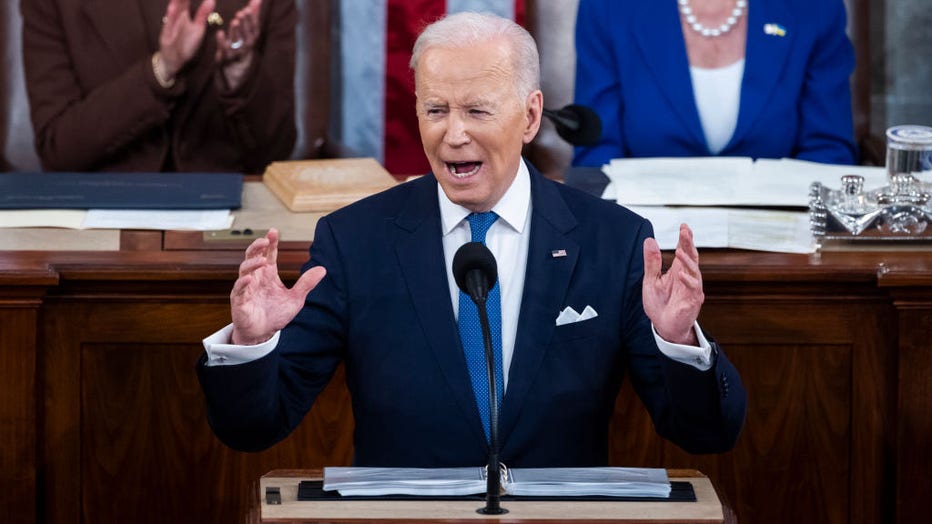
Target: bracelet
159	72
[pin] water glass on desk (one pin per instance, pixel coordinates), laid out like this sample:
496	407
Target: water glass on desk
909	157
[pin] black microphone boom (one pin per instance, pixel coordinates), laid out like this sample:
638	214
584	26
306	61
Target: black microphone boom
475	272
578	125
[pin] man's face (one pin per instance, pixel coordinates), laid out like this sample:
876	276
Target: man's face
472	123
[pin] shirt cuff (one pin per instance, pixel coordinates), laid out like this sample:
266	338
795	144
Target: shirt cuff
698	357
220	352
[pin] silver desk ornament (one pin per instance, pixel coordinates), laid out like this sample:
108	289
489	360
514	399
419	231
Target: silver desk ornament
901	210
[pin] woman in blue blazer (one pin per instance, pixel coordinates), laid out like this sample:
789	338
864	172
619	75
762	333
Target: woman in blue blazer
767	79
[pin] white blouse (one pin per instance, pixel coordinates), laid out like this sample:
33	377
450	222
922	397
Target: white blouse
718	95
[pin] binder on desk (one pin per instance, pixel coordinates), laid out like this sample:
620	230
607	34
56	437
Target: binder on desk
121	190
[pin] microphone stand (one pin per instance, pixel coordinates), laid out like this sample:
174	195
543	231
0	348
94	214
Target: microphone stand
560	120
493	473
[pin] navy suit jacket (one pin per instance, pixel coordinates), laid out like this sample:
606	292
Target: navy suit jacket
632	69
384	309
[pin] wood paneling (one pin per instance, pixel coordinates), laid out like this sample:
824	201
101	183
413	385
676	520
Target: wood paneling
17	411
914	404
127	438
799	436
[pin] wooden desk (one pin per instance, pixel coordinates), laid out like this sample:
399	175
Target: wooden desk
102	420
706	508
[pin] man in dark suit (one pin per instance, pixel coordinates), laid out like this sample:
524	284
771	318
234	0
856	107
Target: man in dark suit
582	297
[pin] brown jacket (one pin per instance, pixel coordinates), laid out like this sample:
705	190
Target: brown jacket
96	105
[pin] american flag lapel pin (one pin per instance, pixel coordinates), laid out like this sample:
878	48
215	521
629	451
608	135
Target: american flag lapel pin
557	253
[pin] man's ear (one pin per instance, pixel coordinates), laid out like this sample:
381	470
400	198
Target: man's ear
534	111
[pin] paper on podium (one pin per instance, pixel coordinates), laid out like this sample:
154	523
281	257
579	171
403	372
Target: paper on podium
608	481
359	481
325	185
546	482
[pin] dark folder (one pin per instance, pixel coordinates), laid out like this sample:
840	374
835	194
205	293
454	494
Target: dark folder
121	190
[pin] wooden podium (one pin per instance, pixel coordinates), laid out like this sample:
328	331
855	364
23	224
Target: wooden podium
833	348
706	508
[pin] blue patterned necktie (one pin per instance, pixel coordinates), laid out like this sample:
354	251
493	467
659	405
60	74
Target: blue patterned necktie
471	330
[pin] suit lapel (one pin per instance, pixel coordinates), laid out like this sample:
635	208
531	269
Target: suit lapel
419	248
664	51
765	60
545	286
116	25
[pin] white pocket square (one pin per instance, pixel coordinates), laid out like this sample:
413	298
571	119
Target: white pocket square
569	315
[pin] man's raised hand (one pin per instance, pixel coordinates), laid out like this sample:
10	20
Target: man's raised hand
672	300
260	303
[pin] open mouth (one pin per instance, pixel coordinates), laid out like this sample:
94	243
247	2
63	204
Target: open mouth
463	169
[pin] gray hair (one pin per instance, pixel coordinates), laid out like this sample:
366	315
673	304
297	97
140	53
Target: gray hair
467	28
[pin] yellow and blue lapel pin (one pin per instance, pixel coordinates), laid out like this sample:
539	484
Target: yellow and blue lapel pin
774	29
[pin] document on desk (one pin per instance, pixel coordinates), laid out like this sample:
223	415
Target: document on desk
717	227
703	193
725	181
61	218
169	220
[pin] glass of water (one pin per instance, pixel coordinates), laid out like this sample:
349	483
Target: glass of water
909	157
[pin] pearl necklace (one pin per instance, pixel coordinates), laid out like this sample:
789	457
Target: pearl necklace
691	21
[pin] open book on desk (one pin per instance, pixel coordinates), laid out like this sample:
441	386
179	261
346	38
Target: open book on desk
542	482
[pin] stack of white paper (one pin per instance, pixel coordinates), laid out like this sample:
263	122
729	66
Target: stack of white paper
172	219
611	482
696	191
725	181
168	219
355	481
553	482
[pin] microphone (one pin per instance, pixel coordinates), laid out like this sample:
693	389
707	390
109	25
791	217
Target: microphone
475	273
578	125
475	270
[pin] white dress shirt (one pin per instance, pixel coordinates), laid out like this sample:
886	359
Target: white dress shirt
508	240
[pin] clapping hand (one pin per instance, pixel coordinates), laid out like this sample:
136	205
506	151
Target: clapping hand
260	303
182	34
236	48
672	300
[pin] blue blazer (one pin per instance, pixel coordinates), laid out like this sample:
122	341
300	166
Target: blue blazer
384	309
632	69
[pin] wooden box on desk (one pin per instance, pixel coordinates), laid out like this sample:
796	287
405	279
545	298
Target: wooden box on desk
325	185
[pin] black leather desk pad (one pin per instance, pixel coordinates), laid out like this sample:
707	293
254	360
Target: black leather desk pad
308	490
